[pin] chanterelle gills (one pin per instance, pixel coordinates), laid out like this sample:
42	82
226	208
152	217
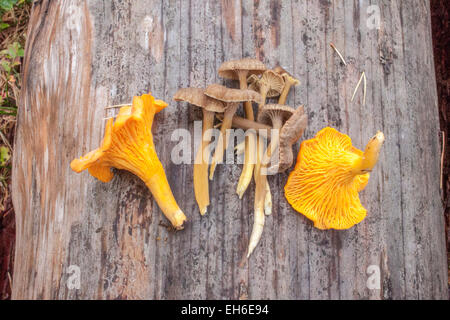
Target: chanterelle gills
128	145
328	175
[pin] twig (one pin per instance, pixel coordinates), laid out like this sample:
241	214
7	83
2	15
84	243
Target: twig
339	54
442	160
10	279
118	105
357	85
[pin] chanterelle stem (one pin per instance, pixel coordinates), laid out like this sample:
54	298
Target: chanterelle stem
370	157
160	189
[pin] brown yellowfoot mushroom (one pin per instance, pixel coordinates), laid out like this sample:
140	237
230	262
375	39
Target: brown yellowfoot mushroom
196	97
260	195
262	130
269	85
328	175
253	82
240	70
289	134
289	81
128	145
231	99
291	131
275	115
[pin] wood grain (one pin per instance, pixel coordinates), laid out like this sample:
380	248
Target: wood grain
84	55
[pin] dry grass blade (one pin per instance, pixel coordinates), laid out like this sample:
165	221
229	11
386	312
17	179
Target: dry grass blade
364	88
357	85
115	107
118	106
339	54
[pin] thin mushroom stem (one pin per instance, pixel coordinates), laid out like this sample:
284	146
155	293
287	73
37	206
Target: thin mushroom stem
222	142
240	148
271	148
249	163
263	92
242	123
201	184
268	200
260	193
243	85
288	83
284	93
247	168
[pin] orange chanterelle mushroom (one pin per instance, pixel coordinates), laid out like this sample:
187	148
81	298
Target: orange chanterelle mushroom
328	175
128	145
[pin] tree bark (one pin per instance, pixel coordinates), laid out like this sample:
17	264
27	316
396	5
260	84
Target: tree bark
84	55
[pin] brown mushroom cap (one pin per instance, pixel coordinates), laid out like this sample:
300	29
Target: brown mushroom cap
280	70
270	111
273	81
294	127
291	131
229	69
197	97
286	76
222	93
253	82
290	79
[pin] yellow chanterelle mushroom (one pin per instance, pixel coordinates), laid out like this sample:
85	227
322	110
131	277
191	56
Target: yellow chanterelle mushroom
328	175
128	145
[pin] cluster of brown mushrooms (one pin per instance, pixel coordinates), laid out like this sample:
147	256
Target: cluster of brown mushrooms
277	122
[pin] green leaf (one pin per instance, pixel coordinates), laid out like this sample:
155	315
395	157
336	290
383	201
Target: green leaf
5	155
3	25
8	111
7	4
6	66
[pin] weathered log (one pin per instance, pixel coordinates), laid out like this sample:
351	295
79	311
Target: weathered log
84	55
